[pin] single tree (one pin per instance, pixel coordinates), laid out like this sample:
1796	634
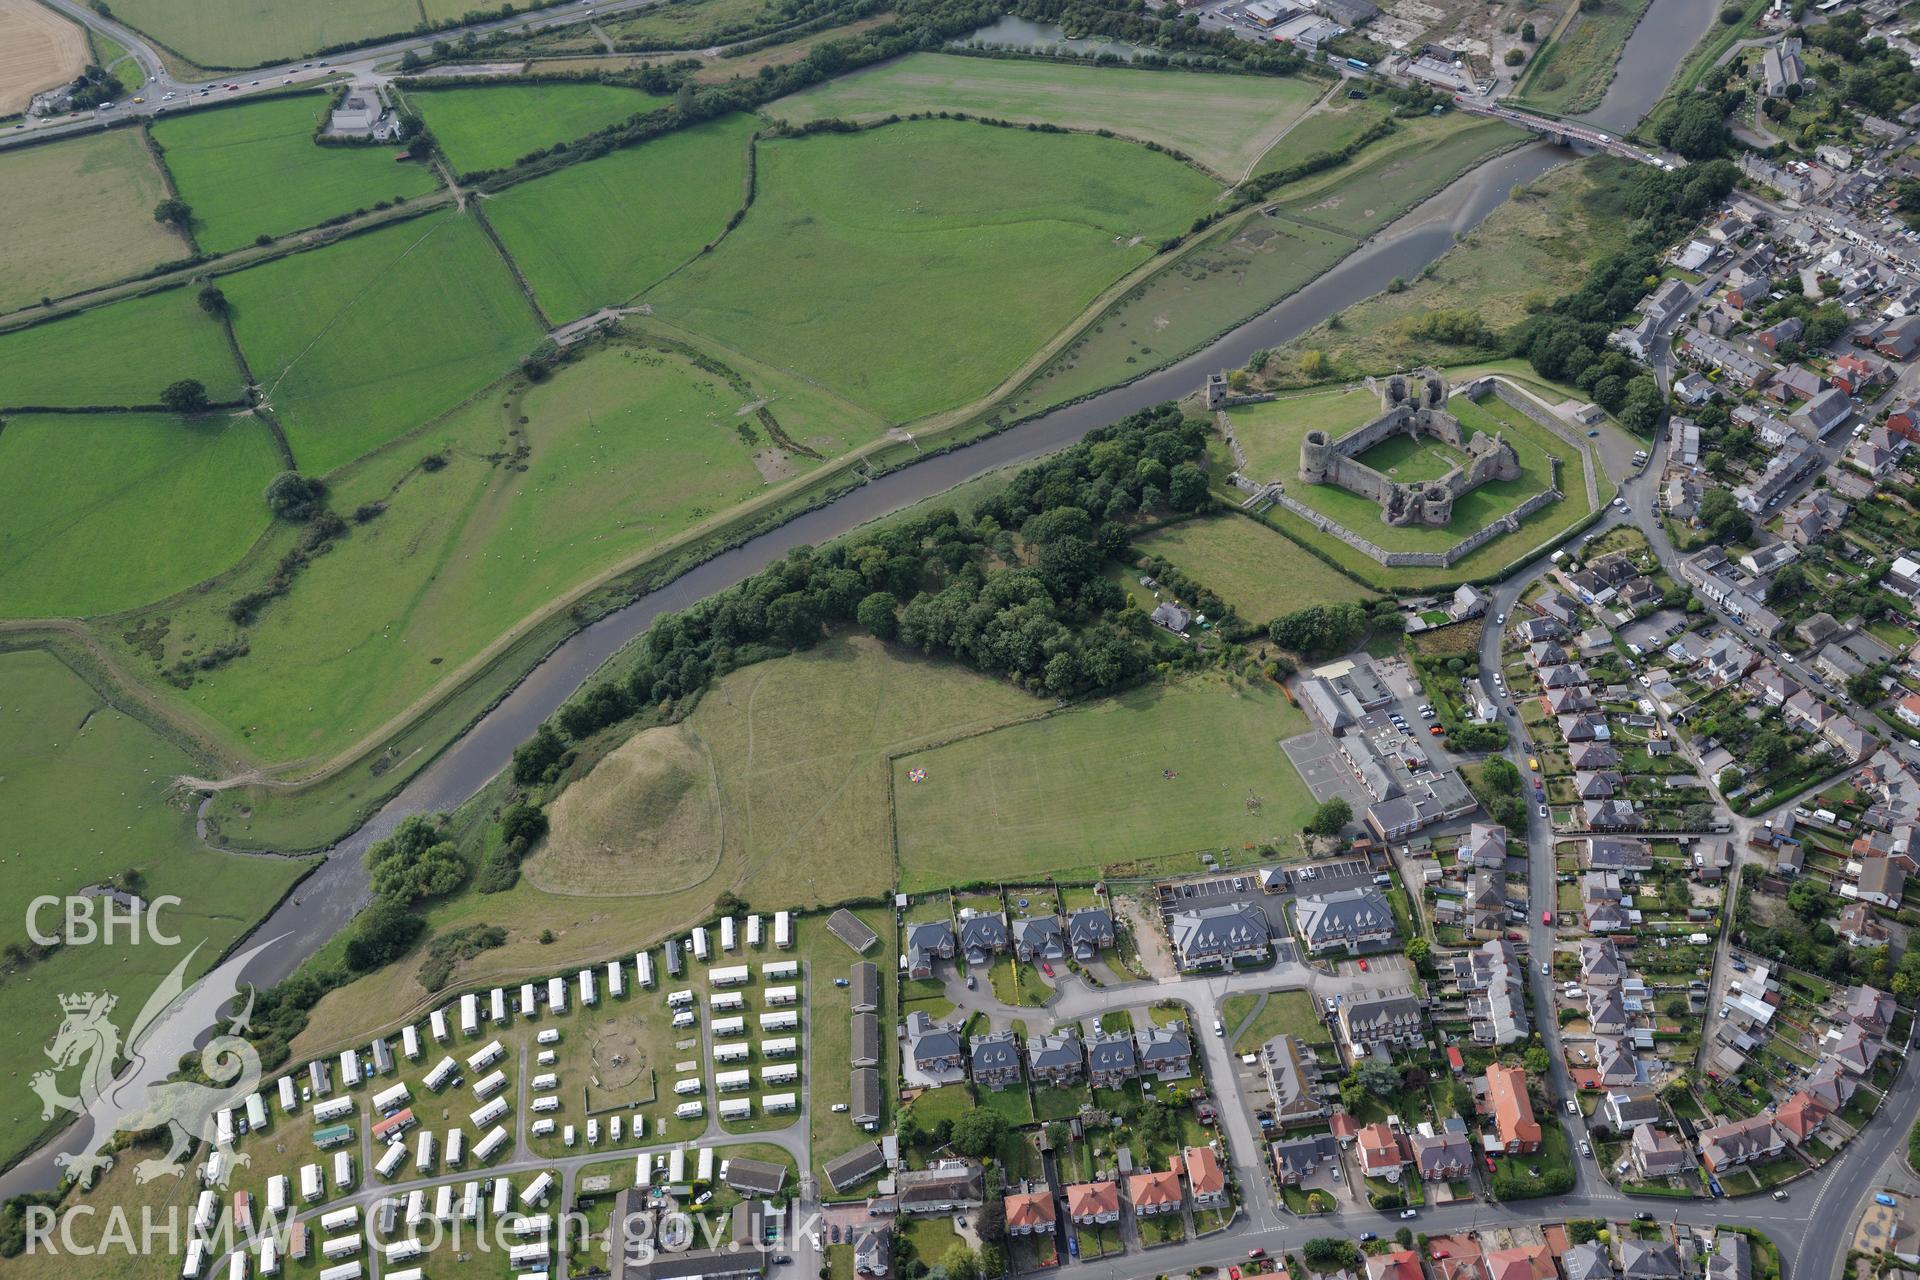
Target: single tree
213	301
174	212
1332	817
187	396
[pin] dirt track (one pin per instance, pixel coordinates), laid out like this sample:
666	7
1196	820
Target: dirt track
38	50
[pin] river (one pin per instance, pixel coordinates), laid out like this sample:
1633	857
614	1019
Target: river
328	898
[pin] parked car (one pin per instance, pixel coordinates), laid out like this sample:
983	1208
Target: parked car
1409	1213
1881	1197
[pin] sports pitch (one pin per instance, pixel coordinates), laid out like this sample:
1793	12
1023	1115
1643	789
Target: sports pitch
1191	765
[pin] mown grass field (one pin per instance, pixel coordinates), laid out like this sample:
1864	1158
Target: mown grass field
255	170
1257	571
125	353
1528	252
247	33
1241	269
103	512
595	234
490	127
363	340
1572	72
1088	787
919	263
87	795
1224	122
800	746
621	450
100	229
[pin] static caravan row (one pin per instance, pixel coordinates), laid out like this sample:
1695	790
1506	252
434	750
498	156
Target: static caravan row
486	1056
736	1108
388	1101
780	970
729	938
394	1125
753	931
616	979
774	1103
488	1085
443	1071
332	1109
482	1116
390	1162
643	968
783	929
734	975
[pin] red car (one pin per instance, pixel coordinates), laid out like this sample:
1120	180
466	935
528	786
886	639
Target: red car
1233	1273
1363	966
1546	917
1046	968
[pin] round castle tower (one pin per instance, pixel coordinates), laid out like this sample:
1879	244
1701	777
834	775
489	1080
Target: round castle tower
1316	457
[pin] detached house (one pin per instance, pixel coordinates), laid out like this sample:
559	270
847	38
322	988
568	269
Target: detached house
1205	1178
983	935
1029	1213
1111	1059
1444	1157
928	942
1090	931
996	1060
1055	1059
1739	1142
1155	1192
1518	1131
1091	1204
1039	938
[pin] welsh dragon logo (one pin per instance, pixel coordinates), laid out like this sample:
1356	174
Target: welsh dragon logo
183	1110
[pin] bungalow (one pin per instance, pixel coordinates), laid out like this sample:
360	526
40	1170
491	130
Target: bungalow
1562	702
1655	1154
1091	1204
1592	755
1609	815
1860	926
996	1059
1597	786
1611	853
1882	881
1220	937
947	1186
1485	846
1625	1109
1518	1131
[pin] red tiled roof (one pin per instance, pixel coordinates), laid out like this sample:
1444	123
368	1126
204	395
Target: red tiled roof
1030	1209
1085	1199
1800	1115
1151	1189
1204	1172
1401	1264
1512	1109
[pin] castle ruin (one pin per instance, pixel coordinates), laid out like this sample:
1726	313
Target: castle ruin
1415	405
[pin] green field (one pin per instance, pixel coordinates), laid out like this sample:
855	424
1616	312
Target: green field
1240	269
247	33
100	229
800	749
622	450
491	126
255	170
125	353
1225	122
103	512
596	234
1257	571
916	265
87	793
1087	787
1407	460
112	56
366	339
1283	1013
